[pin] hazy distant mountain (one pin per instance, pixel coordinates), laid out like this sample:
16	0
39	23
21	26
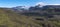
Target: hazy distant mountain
51	6
20	9
45	7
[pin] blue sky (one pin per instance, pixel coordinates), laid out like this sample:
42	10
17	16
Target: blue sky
13	3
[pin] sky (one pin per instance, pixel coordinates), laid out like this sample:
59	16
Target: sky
14	3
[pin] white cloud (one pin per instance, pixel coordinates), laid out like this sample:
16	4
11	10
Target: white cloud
41	3
52	4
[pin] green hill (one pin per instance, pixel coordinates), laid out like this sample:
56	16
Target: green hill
12	19
9	18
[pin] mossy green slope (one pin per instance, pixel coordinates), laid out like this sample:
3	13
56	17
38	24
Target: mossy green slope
11	19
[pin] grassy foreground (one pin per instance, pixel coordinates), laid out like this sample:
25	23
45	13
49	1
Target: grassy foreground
12	19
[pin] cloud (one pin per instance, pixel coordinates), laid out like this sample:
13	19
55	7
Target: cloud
52	4
41	3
